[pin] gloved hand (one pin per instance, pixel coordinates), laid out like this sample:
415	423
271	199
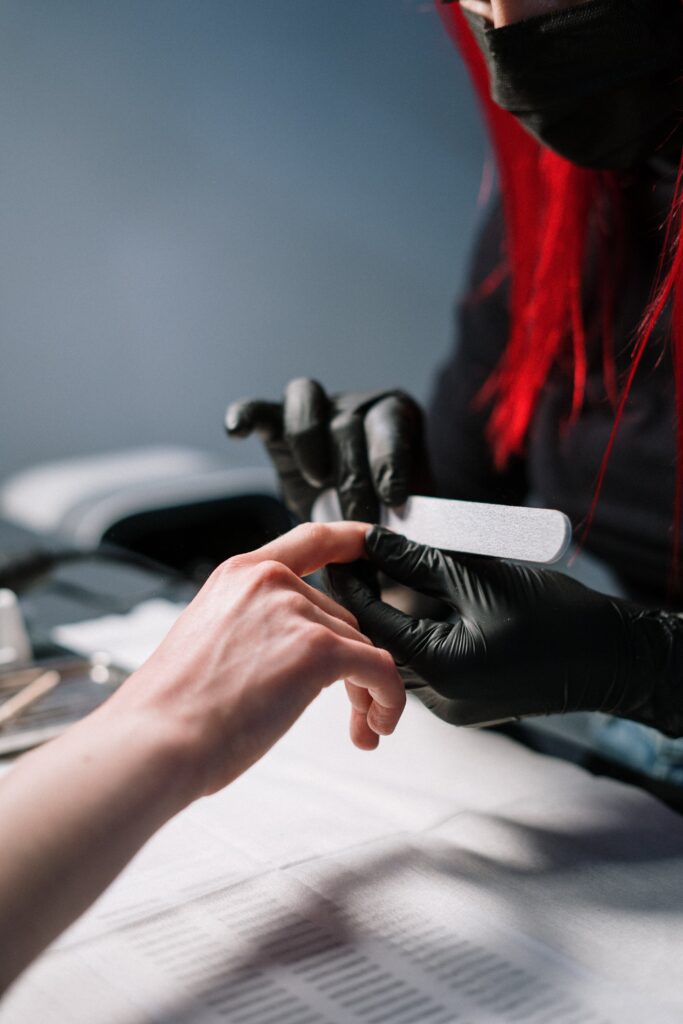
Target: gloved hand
367	445
524	641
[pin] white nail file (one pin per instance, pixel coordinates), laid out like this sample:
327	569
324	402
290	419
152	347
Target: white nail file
503	531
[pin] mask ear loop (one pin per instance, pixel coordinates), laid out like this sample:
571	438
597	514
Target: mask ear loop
550	207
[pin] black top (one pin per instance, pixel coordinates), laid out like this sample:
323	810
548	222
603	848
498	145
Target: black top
633	526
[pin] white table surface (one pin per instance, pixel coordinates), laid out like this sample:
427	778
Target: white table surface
410	859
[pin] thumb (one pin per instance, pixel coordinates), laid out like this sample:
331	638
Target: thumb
394	631
252	415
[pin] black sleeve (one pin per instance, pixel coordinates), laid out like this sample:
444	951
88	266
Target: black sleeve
461	458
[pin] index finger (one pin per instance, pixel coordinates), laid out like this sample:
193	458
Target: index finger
310	546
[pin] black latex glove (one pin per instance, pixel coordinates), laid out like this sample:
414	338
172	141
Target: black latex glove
524	641
367	445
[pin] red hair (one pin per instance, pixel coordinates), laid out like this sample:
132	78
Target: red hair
552	208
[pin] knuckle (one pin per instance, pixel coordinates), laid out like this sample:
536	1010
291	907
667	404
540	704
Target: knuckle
312	534
270	574
318	534
275	572
379	716
384	657
228	568
234	563
296	604
321	641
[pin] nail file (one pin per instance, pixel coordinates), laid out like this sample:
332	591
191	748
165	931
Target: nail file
502	531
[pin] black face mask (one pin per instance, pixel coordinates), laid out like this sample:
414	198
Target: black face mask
597	83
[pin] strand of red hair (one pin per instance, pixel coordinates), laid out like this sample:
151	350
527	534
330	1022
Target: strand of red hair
553	210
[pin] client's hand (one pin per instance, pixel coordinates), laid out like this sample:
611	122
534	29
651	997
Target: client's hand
255	647
239	666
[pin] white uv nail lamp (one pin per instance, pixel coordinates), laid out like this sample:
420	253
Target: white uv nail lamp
503	531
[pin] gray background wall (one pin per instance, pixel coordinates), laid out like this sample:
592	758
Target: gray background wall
200	199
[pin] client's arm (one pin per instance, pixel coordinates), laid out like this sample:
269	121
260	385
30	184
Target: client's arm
243	661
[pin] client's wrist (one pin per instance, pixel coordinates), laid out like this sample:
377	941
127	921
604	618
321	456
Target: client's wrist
160	747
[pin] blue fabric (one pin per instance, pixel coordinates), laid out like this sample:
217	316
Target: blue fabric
638	747
626	743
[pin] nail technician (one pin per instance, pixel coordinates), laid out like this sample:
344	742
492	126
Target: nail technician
565	384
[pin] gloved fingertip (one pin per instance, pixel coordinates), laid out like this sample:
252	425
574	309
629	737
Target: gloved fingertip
391	480
236	423
347	584
353	584
337	580
332	572
360	512
395	495
376	537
